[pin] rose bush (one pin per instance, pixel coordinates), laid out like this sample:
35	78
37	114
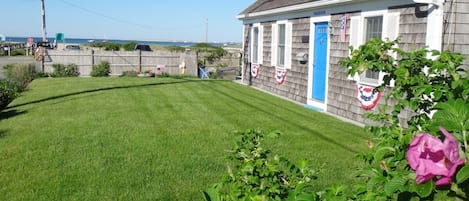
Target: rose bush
405	161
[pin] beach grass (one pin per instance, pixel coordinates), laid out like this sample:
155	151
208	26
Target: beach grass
153	138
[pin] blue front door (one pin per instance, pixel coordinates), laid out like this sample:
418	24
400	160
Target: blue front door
320	59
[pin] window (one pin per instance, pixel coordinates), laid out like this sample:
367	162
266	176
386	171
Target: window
257	44
374	24
373	29
281	44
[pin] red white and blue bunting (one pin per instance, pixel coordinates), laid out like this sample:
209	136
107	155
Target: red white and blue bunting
280	75
367	96
255	70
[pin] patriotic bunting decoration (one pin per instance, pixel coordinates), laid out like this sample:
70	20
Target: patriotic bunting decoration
255	70
367	96
280	75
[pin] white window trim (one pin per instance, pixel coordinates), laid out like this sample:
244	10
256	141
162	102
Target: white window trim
288	44
387	34
260	45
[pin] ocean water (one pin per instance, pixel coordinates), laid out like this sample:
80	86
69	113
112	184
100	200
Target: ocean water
85	41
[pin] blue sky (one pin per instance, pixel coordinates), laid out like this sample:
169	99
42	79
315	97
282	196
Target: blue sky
182	20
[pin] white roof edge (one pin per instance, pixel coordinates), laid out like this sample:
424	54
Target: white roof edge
314	4
239	17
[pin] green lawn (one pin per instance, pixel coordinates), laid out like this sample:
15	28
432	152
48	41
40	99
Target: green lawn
152	139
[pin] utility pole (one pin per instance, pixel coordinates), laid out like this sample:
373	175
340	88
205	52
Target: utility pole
44	34
43	13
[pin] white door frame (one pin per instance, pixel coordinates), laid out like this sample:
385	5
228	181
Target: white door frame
310	101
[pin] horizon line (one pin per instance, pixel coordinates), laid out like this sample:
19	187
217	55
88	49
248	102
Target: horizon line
104	39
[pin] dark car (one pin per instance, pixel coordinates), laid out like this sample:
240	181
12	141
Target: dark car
44	44
142	47
72	47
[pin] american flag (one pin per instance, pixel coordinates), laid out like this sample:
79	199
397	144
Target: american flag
343	28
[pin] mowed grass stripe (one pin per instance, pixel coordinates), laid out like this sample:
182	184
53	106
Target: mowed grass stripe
152	139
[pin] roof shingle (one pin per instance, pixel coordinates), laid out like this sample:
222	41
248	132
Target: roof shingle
263	5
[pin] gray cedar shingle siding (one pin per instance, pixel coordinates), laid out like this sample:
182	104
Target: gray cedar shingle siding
341	93
412	29
456	28
342	99
296	84
267	43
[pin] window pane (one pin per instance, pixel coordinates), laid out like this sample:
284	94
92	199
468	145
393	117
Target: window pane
281	45
373	27
255	45
372	74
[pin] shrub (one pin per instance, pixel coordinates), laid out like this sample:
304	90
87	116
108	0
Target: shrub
42	74
163	74
101	70
8	91
20	52
112	47
209	53
258	175
130	73
129	46
61	70
106	46
175	48
213	75
394	170
22	74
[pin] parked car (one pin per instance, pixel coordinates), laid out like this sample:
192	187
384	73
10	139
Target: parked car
72	47
142	47
44	44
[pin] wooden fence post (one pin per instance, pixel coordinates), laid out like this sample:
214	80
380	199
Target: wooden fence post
140	61
92	59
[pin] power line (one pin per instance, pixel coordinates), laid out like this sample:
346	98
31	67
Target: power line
106	16
183	28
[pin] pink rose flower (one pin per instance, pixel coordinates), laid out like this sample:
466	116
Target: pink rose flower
430	157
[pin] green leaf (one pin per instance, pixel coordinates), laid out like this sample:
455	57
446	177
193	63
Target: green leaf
212	194
382	152
396	183
463	174
452	115
420	91
305	197
425	189
437	94
259	198
413	105
402	72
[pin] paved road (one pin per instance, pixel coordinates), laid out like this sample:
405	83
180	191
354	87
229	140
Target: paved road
8	60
